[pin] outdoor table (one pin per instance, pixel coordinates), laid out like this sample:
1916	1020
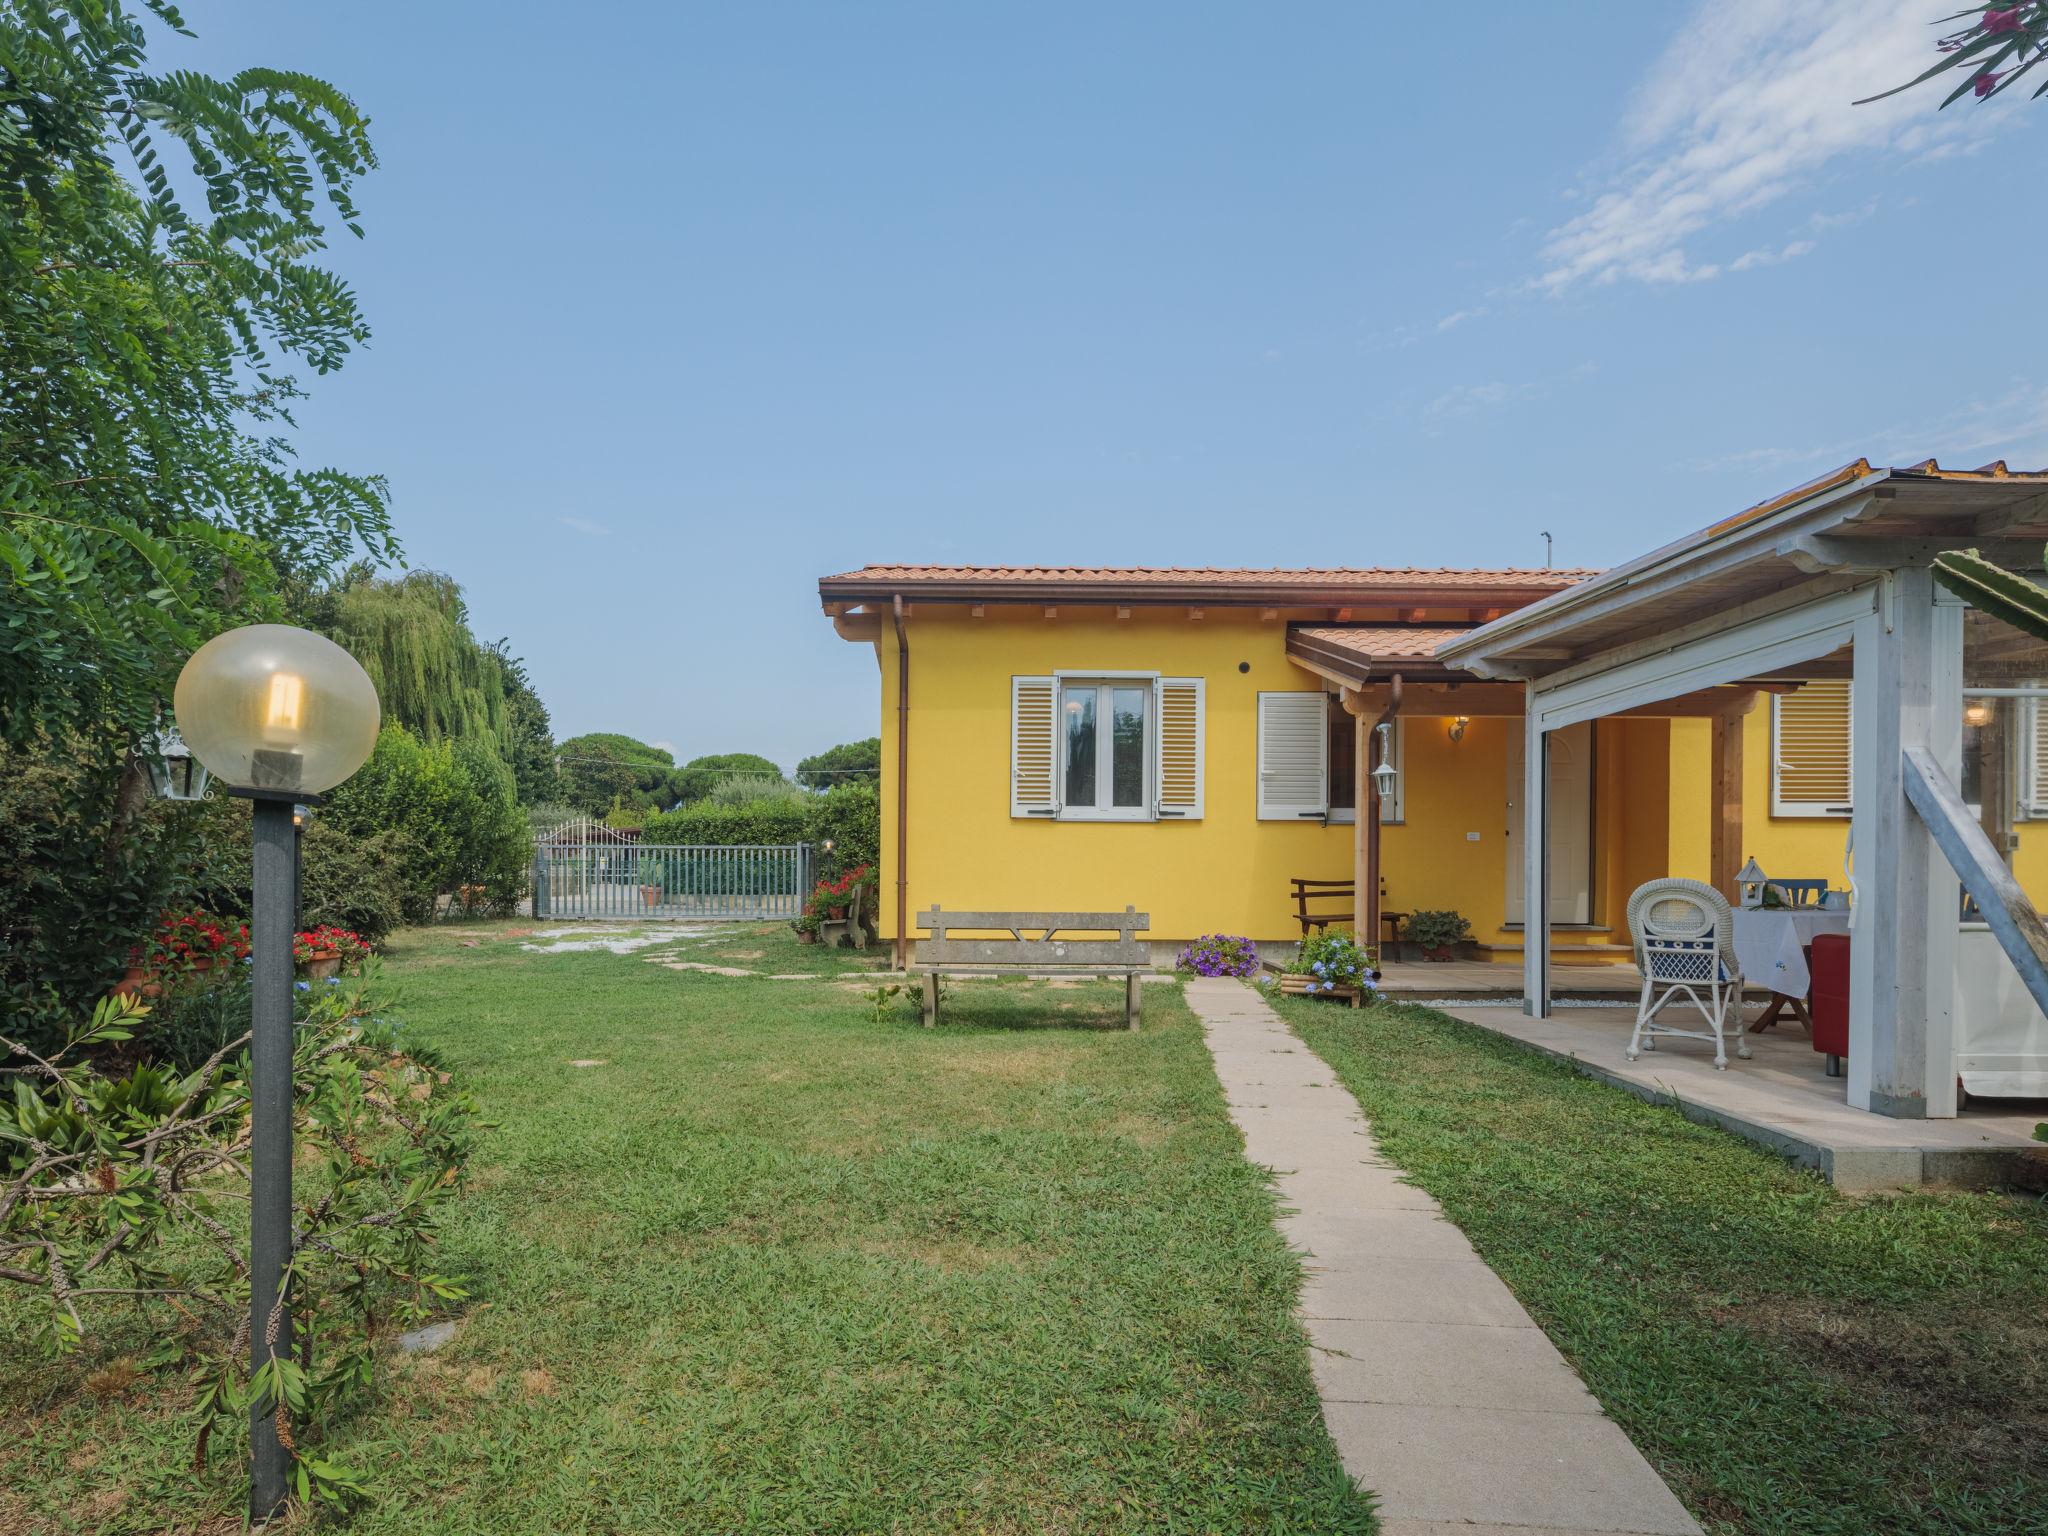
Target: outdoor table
1771	945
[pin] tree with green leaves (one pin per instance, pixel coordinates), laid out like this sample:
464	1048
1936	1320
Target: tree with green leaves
844	764
700	775
411	633
603	769
160	281
1999	46
149	496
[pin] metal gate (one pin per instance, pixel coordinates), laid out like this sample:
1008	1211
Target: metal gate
669	880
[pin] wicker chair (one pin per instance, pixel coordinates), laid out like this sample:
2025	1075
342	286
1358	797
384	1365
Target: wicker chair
1685	946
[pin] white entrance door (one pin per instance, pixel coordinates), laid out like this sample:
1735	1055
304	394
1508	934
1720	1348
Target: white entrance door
1571	824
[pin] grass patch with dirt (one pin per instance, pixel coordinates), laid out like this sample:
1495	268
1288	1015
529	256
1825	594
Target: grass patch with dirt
774	1263
1792	1360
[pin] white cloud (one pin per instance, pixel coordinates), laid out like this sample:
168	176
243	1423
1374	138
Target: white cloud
2011	424
1746	106
1459	317
1768	258
1467	398
584	525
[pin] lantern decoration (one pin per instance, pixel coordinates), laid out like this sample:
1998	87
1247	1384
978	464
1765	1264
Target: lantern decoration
175	772
1384	776
1750	881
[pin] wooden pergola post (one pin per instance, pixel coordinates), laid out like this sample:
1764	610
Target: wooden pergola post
1725	827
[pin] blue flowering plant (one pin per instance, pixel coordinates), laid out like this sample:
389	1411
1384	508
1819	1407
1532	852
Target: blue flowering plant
1333	959
1219	954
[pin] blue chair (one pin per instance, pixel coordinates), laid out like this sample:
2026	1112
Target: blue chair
1801	893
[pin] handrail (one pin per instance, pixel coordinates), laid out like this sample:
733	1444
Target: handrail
2007	911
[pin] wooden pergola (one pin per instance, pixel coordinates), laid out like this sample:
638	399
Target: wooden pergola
1385	671
1840	567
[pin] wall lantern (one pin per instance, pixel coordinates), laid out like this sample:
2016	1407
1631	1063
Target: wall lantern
1384	776
279	715
174	773
1458	724
1749	881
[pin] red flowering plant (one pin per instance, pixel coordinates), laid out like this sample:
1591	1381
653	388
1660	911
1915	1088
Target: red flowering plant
183	941
830	896
326	941
1999	43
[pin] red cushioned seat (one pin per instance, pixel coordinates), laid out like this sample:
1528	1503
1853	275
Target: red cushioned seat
1830	1005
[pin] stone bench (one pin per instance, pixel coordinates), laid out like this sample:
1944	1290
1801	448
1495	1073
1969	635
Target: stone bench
1049	954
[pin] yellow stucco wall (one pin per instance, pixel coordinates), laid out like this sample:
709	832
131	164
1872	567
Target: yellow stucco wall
1229	871
1795	847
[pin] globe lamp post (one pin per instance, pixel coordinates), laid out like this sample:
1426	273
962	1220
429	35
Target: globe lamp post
278	716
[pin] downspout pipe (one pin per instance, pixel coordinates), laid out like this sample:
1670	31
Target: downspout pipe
902	785
1369	898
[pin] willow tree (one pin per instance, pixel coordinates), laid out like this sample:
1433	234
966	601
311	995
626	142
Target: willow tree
412	635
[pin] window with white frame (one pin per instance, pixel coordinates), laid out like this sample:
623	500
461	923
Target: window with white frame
1811	742
1106	746
1307	760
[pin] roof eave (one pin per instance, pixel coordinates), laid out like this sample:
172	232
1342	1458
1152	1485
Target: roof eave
1531	625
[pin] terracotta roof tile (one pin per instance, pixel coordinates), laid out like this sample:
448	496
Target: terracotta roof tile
1403	577
1378	642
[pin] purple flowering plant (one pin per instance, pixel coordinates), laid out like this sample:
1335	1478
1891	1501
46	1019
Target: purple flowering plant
1219	954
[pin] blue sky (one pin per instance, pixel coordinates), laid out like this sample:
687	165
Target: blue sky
678	307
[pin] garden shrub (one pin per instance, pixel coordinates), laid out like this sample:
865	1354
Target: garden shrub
85	872
383	1120
730	826
350	879
849	817
455	811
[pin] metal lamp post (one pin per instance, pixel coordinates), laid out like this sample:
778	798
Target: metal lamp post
280	716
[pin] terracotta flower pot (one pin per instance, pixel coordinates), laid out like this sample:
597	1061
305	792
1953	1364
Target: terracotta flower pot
323	964
651	894
806	936
137	981
1439	952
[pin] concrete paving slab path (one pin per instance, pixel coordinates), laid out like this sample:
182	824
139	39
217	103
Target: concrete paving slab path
1443	1397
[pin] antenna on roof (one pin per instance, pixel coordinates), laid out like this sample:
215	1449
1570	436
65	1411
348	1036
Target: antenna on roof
1546	549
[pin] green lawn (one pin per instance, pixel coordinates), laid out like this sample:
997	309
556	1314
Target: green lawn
1793	1361
777	1265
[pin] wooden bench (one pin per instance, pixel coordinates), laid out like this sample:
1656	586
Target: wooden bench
853	926
1126	955
1344	892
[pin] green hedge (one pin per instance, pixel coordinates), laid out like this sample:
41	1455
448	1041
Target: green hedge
850	817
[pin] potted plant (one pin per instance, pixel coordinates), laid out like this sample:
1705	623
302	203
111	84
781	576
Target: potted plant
807	927
650	882
1438	933
1333	964
324	951
184	945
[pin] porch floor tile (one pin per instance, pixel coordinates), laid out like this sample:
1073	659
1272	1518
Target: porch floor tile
1782	1098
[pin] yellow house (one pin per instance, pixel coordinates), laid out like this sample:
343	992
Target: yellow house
1192	742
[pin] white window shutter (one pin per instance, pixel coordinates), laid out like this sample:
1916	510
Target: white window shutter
1182	745
2034	743
1811	735
1034	747
1294	756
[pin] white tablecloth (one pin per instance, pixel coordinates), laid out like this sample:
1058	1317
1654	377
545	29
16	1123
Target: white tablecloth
1770	944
